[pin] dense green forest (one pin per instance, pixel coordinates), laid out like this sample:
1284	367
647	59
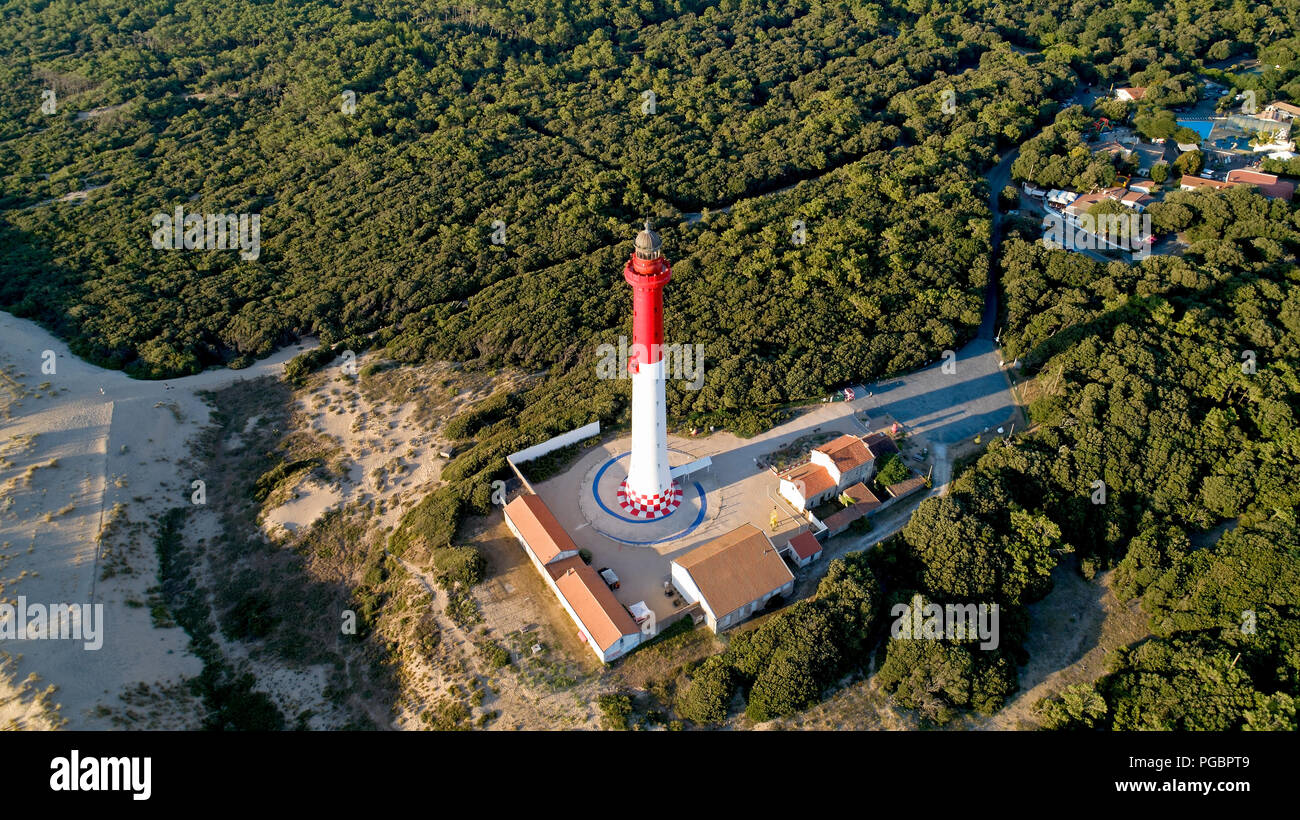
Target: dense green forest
1143	383
1147	386
1175	383
377	232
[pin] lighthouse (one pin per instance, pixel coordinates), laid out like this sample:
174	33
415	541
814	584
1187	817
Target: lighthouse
648	492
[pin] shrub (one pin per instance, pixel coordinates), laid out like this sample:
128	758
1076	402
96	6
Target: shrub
464	565
433	520
892	470
787	663
615	711
274	477
708	697
496	655
462	609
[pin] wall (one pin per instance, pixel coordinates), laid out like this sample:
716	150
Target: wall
562	440
732	618
789	493
686	586
818	457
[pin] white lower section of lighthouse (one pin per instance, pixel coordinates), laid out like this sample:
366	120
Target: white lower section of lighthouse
649	491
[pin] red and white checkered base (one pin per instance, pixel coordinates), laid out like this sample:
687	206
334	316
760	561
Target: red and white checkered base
650	507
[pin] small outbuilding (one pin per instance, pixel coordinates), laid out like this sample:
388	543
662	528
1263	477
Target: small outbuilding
803	549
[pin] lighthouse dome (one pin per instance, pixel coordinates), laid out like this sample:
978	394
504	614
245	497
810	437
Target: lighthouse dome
648	243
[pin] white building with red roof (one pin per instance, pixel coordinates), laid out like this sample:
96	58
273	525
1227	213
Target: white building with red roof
803	549
603	623
832	467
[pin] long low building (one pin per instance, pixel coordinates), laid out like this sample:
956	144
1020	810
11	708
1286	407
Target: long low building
733	576
603	624
1190	183
1268	184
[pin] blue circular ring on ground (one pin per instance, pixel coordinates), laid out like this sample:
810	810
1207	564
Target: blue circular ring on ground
699	519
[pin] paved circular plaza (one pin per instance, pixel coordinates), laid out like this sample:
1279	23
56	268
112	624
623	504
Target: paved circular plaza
604	504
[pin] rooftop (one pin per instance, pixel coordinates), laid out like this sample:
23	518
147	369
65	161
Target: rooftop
862	502
1198	182
907	486
539	527
812	479
1253	177
881	444
846	452
861	495
736	568
805	545
648	243
589	597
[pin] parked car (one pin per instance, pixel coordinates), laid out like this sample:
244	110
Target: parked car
609	577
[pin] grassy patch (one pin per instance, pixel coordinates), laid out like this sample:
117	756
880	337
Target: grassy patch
544	668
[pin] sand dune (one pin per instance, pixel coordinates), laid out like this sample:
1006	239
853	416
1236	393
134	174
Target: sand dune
84	446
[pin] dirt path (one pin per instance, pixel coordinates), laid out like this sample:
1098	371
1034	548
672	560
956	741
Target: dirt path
1070	633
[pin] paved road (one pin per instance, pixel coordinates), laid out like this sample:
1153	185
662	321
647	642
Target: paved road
972	394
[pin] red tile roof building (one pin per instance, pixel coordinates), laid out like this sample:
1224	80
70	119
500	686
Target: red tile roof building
1081	205
805	548
1136	200
1268	184
809	479
538	528
839	463
590	599
602	621
861	502
1191	183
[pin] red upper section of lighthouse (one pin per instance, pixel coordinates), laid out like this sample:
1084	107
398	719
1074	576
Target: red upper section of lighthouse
647	272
